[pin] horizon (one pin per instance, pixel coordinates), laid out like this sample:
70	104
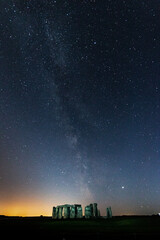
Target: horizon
18	212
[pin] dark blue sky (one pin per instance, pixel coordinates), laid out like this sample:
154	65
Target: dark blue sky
79	105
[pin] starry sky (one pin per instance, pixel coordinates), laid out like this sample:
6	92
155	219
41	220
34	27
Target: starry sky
79	105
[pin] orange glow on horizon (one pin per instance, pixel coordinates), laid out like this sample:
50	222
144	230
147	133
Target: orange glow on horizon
26	208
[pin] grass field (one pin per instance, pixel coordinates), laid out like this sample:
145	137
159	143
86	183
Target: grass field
115	228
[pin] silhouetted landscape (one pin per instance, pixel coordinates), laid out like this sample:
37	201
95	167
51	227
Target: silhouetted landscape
125	227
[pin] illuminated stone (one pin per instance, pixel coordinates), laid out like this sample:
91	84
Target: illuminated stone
91	211
67	211
88	211
79	211
72	212
75	211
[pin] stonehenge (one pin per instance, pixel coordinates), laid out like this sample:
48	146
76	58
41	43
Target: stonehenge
68	211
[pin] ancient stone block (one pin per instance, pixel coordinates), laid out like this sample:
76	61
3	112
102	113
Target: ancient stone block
99	214
91	211
66	211
57	212
95	210
72	212
109	212
88	211
54	215
60	212
75	211
79	212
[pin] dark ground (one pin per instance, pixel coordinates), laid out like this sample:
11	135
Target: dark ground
116	228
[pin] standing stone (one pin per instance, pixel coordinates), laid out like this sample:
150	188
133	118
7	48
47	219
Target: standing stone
54	215
91	205
95	210
57	212
99	214
79	212
109	212
66	212
88	211
91	211
72	212
60	212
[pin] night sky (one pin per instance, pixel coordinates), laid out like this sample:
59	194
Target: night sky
79	105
